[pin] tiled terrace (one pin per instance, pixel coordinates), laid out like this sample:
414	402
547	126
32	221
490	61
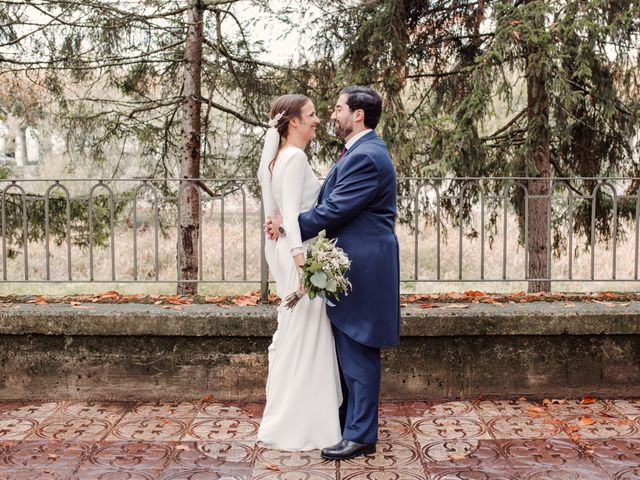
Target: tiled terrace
211	440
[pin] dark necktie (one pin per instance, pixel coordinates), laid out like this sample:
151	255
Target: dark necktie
344	150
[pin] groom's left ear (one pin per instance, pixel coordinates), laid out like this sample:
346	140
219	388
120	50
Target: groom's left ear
358	115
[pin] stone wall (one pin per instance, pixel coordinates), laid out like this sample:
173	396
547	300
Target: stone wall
144	352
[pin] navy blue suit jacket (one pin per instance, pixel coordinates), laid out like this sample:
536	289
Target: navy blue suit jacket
357	204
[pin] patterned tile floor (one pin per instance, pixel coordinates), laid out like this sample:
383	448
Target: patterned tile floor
203	441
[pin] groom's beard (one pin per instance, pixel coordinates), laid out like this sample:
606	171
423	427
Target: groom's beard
342	131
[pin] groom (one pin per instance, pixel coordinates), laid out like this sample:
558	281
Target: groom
357	204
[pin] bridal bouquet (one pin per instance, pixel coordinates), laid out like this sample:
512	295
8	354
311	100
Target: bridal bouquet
323	272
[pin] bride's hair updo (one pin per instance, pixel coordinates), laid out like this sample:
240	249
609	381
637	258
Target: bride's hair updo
288	106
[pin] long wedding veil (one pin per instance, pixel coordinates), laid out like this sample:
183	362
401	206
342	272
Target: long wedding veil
269	151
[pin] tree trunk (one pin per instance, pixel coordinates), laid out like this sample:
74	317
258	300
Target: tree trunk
538	154
189	198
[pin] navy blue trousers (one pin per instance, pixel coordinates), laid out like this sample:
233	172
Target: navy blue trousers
360	378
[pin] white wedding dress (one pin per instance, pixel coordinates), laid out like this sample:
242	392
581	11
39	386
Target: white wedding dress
303	384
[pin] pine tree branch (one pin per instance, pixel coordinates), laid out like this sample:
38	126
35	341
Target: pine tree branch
230	111
618	106
498	133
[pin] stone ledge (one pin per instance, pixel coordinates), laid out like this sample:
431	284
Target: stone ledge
537	318
145	352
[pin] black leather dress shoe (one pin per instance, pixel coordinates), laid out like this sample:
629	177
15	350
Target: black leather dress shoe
346	449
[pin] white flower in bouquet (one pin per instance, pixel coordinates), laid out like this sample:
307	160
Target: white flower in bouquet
324	272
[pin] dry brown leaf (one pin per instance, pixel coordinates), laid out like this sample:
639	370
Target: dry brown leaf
177	307
110	295
209	398
473	293
535	409
586	420
428	305
457	305
272	466
248	300
588	400
41	301
454	295
403	305
208	299
457	456
157	302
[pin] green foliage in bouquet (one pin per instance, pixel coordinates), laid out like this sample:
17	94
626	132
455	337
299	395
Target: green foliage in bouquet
324	271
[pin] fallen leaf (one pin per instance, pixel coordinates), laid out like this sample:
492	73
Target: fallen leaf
41	301
246	300
454	296
272	466
110	295
209	398
403	305
586	420
535	409
457	456
457	305
208	299
157	302
427	305
473	293
588	400
177	307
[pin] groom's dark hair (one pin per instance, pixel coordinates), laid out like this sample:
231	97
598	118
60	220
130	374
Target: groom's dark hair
365	99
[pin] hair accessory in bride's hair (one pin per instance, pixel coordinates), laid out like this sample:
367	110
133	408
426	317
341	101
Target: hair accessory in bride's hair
274	121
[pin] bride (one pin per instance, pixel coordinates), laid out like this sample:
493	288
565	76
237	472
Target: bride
303	385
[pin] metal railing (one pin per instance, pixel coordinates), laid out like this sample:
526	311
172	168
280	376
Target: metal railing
451	230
